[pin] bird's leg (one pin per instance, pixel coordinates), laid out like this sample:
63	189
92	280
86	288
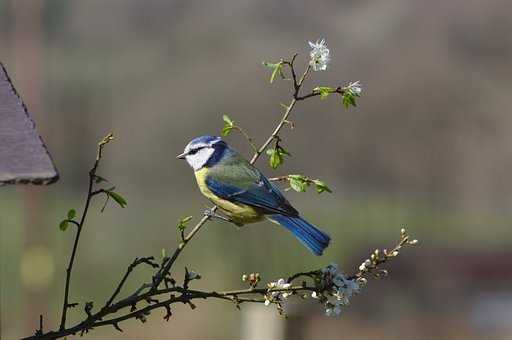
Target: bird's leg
211	214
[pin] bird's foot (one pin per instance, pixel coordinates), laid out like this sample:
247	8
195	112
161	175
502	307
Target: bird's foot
211	214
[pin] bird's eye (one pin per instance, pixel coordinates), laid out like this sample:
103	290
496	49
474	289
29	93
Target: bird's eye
193	151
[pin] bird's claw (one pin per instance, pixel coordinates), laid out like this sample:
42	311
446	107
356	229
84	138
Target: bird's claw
209	213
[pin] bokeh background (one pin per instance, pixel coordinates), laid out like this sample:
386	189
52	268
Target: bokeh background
429	147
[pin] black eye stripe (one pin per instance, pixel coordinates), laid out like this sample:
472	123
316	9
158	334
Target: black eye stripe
194	151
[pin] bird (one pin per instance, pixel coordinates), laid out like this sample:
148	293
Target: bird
243	193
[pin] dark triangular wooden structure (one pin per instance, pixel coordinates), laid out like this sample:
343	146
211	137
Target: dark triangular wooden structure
23	155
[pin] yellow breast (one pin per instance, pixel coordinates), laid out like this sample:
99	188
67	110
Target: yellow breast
239	213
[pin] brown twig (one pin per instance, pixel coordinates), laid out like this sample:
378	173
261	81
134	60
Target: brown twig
92	178
284	119
314	93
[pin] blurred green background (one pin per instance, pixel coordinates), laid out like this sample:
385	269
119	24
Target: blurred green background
429	147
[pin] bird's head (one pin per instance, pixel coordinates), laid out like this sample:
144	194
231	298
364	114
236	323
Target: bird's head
203	151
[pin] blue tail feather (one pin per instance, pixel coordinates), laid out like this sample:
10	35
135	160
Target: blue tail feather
313	238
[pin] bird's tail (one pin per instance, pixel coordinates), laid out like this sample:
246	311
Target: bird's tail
313	238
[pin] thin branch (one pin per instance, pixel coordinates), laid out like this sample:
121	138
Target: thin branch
284	119
96	320
246	135
131	267
186	296
92	178
73	222
314	93
290	63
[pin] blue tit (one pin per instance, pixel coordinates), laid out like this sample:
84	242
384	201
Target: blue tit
243	193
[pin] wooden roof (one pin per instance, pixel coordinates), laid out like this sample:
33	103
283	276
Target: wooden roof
24	157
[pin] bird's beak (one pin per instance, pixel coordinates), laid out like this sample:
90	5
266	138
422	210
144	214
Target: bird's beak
181	156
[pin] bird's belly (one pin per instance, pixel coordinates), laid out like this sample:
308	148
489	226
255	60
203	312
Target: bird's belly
238	212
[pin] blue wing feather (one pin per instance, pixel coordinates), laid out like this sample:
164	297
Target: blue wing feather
260	193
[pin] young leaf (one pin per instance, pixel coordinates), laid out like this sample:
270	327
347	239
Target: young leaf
324	91
275	159
63	225
269	65
277	70
71	214
228	120
118	198
298	184
321	186
99	179
349	99
276	156
182	224
282	151
226	130
228	126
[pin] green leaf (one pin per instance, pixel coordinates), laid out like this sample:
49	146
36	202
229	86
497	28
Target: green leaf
324	91
63	225
118	198
321	187
228	126
282	151
277	70
71	214
269	65
99	179
228	120
349	99
297	177
182	224
275	159
226	130
298	184
276	156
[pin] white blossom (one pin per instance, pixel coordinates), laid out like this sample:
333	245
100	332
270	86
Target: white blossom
338	289
364	266
355	88
277	295
319	55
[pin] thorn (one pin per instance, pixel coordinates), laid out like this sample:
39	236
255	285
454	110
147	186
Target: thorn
116	326
168	313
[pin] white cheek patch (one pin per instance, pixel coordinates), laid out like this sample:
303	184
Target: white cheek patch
200	158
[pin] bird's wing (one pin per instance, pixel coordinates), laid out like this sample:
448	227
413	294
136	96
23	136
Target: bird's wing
241	182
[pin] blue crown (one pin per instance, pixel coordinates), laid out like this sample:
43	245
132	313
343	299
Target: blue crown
205	140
